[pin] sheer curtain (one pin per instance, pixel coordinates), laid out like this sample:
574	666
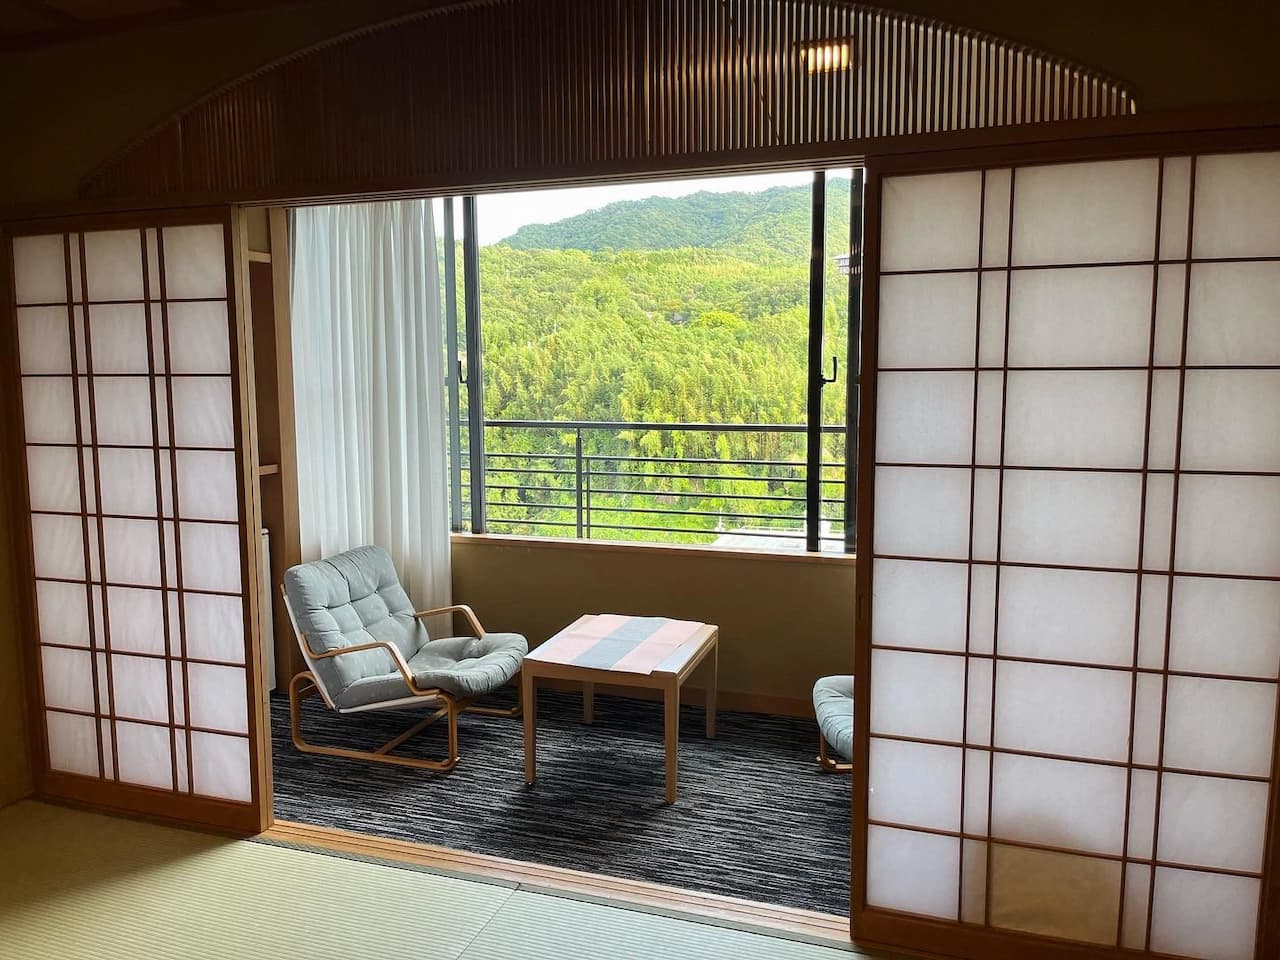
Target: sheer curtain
369	388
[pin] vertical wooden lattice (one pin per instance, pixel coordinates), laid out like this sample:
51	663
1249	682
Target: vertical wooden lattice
518	90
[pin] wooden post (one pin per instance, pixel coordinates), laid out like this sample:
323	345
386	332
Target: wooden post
671	703
529	695
712	683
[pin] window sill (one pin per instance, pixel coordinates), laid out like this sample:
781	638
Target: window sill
652	549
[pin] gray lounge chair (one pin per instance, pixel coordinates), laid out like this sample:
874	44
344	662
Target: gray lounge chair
833	706
366	648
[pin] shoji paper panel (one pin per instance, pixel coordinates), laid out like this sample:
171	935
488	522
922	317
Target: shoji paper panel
125	349
1075	561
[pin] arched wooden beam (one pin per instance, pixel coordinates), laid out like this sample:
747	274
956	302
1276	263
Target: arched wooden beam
514	91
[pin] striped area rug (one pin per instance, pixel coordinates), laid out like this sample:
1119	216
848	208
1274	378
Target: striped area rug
756	817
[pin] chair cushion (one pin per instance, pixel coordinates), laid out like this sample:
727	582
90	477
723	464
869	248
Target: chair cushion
462	666
833	705
350	599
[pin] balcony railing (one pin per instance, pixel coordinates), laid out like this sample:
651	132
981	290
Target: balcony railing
740	485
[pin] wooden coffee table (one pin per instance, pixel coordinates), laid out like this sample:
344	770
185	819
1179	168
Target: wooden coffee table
646	652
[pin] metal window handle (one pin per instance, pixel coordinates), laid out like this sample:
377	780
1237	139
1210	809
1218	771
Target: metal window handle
835	372
462	377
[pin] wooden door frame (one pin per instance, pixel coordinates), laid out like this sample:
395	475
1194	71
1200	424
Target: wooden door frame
879	927
186	808
1189	131
947	147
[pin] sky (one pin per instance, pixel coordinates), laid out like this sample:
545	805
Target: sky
501	214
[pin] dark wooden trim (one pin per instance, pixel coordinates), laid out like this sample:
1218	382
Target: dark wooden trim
1173	533
816	363
71	219
244	410
131	800
474	340
1170	133
154	324
286	547
925	935
13	434
995	628
1200	130
968	586
174	494
1269	901
91	417
865	544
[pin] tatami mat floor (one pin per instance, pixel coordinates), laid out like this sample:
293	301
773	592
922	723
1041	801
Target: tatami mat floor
81	885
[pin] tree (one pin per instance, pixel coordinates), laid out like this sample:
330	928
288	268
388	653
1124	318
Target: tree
667	310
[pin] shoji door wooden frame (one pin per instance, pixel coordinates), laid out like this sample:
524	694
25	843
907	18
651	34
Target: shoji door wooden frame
190	808
871	926
1185	132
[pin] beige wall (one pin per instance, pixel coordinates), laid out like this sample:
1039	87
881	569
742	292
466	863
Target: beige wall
783	621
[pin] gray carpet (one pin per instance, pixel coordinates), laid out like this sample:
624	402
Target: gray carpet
756	817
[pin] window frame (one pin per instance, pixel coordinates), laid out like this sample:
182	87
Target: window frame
465	369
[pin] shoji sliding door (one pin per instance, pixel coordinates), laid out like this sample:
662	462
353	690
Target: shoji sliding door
131	435
1070	587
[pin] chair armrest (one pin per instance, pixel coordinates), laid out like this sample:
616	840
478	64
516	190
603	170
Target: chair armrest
456	608
391	648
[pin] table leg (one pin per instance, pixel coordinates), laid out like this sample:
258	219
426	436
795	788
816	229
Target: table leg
588	702
529	696
712	684
671	703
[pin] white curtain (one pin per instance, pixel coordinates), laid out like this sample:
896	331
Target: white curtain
368	385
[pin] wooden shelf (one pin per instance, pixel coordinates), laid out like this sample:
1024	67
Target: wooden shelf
268	469
257	256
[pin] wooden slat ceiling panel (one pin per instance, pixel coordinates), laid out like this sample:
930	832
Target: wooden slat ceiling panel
494	91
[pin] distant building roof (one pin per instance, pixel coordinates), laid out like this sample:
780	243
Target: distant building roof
747	538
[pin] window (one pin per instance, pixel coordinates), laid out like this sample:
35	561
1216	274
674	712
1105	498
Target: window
659	362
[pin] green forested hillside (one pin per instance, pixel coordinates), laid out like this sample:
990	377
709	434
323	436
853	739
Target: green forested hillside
778	217
685	310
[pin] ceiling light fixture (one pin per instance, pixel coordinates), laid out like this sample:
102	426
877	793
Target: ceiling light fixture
827	56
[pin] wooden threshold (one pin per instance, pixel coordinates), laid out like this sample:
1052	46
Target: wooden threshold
788	921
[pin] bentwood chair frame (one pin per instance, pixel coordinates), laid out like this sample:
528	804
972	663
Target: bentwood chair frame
305	685
828	762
